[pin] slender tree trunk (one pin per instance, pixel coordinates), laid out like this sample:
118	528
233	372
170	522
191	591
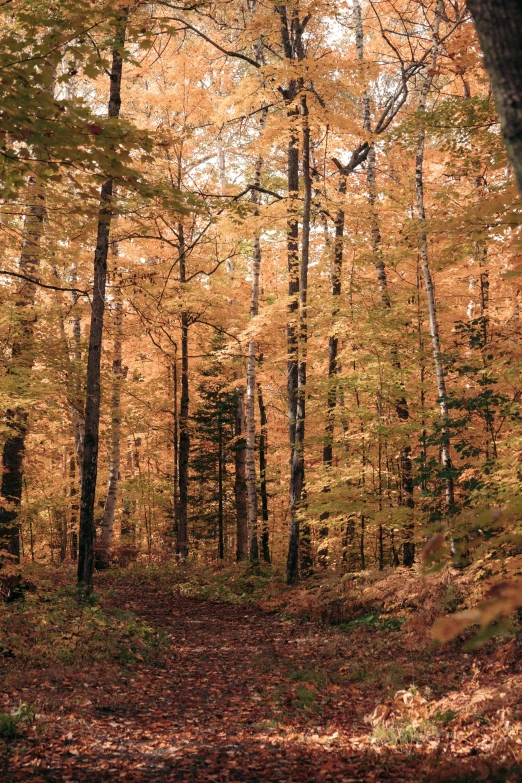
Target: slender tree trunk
297	467
426	272
499	29
253	538
22	358
263	439
175	438
221	548
77	400
73	494
241	485
103	549
292	344
253	545
184	431
401	404
333	363
93	391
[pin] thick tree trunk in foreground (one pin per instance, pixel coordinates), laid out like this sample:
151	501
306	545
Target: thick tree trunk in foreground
240	485
499	29
103	550
93	391
22	358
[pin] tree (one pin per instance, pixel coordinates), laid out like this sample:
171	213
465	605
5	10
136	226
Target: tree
93	391
499	26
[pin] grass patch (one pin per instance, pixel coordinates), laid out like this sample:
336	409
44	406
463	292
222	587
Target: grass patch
308	675
237	583
12	722
405	733
372	622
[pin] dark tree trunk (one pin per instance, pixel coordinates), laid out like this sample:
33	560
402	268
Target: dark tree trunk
184	432
297	466
175	438
21	365
221	547
240	485
93	391
263	438
73	494
499	29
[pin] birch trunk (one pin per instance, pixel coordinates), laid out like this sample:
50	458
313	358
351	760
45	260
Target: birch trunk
401	404
103	550
426	272
93	391
297	466
253	545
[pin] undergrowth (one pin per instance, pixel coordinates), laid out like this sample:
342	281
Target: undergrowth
52	627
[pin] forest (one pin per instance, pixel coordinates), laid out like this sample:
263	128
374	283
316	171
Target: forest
260	390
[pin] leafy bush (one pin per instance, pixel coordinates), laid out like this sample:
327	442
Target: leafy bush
54	627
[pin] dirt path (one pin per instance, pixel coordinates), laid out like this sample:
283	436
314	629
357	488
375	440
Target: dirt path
243	696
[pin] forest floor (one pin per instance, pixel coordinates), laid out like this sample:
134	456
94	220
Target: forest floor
203	690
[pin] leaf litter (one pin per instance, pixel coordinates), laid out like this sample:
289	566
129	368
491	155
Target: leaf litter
242	694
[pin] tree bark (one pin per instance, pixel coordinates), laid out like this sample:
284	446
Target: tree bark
184	432
253	543
263	439
93	391
221	543
22	358
401	404
426	272
241	485
297	466
499	28
103	550
333	363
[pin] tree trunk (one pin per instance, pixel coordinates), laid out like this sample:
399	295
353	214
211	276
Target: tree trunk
426	272
77	401
499	29
22	358
253	545
93	391
103	550
240	485
297	467
263	438
175	438
184	432
333	363
221	547
401	404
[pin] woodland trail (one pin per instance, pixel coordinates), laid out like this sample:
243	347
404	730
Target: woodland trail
242	696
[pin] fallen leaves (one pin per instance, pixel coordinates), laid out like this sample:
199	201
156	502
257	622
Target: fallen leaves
251	698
